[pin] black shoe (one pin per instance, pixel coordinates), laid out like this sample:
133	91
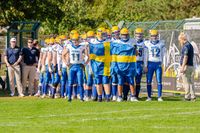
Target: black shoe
125	98
53	96
99	100
82	100
187	99
69	100
3	85
95	99
108	100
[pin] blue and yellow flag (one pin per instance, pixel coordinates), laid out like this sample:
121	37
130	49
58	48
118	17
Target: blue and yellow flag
100	58
123	59
108	58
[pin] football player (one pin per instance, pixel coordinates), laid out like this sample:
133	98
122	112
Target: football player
155	51
75	62
140	58
123	79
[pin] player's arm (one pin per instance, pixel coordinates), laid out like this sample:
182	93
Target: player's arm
146	56
40	62
59	54
43	59
87	53
49	58
65	56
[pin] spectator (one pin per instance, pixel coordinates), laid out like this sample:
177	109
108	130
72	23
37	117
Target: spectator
2	82
12	59
36	44
30	55
187	69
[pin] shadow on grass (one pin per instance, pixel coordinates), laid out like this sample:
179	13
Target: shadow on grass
165	98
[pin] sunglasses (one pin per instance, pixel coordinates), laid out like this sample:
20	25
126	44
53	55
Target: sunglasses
30	42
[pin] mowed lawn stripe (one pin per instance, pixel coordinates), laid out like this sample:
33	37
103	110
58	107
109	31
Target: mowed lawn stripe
57	115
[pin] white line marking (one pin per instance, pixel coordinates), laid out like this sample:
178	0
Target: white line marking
144	117
102	113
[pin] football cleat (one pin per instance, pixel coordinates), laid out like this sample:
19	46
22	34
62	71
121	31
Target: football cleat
119	99
149	99
134	99
160	99
114	98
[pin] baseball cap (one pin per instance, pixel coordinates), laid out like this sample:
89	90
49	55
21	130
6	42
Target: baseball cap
13	39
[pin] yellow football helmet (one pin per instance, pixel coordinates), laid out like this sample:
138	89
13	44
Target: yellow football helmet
153	35
51	40
153	32
75	36
46	41
115	29
139	34
108	31
124	34
72	33
101	33
63	37
57	39
124	31
90	34
115	32
84	36
139	31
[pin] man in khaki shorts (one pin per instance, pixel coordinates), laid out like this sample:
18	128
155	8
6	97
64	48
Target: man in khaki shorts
12	59
30	56
187	68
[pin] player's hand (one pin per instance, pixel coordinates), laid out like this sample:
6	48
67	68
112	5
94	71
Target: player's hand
145	69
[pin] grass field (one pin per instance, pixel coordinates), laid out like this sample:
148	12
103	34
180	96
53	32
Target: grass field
32	114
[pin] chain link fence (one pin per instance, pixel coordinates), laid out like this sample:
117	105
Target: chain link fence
169	32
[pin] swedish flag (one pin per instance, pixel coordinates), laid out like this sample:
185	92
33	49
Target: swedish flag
100	58
108	58
123	59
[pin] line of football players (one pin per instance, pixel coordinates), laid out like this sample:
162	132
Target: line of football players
66	71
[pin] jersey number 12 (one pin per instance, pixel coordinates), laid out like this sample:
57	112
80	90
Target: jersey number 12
155	52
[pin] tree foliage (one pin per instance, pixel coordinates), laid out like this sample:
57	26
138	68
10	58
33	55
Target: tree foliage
60	16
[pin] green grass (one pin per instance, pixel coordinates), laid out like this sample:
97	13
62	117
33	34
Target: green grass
57	115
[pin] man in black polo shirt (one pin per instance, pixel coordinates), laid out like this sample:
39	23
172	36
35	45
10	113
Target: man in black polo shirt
187	69
30	55
12	59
